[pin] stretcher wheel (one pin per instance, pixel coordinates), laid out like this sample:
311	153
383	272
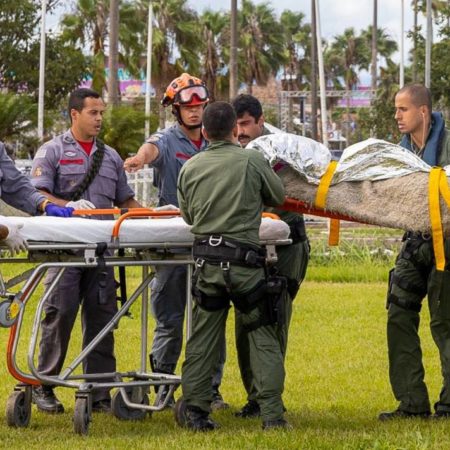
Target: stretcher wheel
18	409
81	416
7	317
122	411
179	411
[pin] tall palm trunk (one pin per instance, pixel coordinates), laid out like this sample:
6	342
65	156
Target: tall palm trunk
233	51
374	44
113	62
98	81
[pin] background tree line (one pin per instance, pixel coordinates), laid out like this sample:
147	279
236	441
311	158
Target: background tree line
269	45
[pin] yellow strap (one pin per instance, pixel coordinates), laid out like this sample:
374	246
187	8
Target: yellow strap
443	188
435	217
333	237
325	181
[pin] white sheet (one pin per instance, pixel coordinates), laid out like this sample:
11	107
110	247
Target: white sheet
79	230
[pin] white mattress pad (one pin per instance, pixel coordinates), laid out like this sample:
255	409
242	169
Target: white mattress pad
87	231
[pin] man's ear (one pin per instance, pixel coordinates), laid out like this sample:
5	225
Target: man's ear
261	121
205	134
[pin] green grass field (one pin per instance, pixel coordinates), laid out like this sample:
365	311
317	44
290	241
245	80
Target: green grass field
337	377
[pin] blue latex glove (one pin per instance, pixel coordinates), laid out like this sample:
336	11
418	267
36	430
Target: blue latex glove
58	211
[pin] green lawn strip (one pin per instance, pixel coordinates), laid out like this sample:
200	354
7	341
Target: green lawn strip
336	384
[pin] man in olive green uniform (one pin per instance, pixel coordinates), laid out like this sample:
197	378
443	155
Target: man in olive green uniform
221	192
415	275
292	259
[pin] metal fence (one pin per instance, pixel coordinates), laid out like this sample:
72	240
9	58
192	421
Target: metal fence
142	184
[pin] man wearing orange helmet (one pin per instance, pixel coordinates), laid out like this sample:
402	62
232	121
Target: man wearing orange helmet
167	151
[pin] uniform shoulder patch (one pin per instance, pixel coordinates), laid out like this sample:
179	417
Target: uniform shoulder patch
41	153
37	172
154	138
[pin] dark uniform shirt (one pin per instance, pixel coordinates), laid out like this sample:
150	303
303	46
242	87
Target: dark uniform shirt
175	148
61	164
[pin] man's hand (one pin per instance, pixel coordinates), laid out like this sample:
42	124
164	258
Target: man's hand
58	211
15	241
80	204
134	163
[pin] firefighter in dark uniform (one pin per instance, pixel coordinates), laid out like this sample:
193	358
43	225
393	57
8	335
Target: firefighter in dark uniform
76	169
292	259
415	274
221	192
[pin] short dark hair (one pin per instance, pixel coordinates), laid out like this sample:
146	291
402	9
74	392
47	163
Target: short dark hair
246	103
219	119
420	94
77	97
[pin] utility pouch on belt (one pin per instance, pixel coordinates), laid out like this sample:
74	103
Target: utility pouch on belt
298	231
390	277
276	292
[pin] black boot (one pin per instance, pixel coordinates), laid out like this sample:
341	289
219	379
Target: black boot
199	420
217	400
249	410
276	424
400	414
46	401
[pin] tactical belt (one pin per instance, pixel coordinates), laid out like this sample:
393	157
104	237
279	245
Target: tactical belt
218	250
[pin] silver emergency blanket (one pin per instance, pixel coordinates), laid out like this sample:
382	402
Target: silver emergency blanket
375	182
86	231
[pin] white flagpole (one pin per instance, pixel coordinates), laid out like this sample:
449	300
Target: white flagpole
42	74
149	69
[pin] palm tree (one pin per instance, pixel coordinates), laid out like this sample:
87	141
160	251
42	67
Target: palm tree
213	42
261	43
85	27
386	46
349	54
297	38
346	56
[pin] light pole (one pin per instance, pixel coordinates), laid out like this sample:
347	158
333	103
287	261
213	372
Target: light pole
428	43
402	39
42	74
323	104
148	81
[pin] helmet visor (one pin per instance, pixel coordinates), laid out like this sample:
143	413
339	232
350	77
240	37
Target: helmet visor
186	95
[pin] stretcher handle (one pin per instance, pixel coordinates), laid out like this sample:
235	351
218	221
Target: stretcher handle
298	206
117	211
139	212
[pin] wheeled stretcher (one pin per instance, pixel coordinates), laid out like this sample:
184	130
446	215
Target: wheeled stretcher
78	242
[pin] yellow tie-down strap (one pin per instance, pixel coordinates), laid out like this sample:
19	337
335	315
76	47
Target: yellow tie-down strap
438	186
321	199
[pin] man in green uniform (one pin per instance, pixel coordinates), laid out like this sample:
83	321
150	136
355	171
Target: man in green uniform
415	274
221	192
292	259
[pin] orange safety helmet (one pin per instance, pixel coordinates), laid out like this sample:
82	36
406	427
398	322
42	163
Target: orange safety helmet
186	90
